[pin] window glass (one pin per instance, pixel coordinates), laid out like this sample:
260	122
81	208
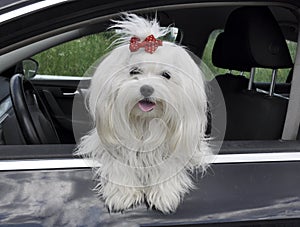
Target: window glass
261	75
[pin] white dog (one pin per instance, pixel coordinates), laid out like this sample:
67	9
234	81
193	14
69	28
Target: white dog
147	99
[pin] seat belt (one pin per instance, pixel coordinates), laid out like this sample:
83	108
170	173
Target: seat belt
292	119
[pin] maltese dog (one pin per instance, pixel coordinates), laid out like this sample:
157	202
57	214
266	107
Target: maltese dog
149	107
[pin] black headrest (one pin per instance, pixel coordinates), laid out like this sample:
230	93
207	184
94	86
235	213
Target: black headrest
251	38
232	83
222	59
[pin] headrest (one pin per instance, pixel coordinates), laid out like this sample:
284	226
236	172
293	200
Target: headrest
222	59
251	38
231	83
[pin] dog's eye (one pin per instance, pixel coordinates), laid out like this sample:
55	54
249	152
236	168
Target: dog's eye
166	74
135	71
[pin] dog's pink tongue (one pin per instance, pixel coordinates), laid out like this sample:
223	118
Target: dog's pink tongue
146	106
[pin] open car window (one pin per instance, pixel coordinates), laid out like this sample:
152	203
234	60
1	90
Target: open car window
75	57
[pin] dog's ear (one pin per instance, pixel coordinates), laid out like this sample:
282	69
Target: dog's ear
101	92
194	82
104	126
104	74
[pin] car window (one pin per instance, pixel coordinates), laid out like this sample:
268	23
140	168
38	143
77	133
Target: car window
261	75
74	58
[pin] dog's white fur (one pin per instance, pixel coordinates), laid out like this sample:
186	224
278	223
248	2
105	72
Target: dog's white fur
146	156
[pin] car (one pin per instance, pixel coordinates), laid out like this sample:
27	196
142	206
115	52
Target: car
248	50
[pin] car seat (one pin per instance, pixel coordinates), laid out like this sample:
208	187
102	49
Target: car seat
251	38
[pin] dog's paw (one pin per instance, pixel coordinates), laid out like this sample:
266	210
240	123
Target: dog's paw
162	200
167	195
119	198
153	208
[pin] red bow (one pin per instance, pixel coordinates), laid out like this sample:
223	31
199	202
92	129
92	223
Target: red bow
150	44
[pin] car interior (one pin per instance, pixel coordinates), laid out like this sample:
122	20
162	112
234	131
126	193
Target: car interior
246	43
39	112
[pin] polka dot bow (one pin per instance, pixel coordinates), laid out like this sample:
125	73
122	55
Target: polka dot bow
150	44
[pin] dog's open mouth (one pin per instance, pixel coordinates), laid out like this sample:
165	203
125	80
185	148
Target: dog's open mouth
146	105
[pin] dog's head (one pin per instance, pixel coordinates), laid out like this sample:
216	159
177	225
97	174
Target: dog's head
147	88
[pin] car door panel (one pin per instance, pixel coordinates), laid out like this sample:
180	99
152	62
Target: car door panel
229	193
59	95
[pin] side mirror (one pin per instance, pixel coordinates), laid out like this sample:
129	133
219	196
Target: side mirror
30	68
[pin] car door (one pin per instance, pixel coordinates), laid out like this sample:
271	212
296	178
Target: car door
61	70
58	94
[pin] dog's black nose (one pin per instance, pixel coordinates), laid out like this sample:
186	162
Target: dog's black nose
146	90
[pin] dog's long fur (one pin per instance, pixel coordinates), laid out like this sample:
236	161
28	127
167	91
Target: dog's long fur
146	156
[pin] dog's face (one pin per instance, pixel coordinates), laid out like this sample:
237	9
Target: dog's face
134	92
149	85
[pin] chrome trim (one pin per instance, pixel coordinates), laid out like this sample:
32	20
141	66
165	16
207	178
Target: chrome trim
28	9
14	165
58	77
71	93
273	82
251	79
6	165
274	94
257	157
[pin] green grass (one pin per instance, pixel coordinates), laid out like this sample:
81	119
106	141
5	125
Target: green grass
75	57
